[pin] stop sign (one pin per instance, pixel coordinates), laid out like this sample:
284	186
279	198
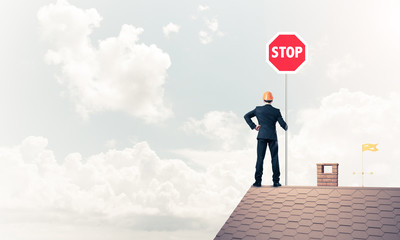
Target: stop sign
286	52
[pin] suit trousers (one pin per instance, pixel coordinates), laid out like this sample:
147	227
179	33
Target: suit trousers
261	149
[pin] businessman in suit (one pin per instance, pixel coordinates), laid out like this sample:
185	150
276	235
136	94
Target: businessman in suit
267	116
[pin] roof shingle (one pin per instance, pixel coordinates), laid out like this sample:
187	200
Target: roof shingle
315	213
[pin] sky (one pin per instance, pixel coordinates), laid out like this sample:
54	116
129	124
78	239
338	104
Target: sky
124	119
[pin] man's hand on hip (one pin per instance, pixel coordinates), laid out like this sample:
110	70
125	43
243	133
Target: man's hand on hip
257	128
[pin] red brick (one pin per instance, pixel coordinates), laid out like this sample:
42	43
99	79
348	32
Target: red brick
327	180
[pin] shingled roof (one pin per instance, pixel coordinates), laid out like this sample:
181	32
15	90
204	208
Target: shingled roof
315	213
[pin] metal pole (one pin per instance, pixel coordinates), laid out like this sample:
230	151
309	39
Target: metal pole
286	135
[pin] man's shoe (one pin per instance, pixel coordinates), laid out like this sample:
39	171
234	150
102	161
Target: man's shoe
277	184
257	184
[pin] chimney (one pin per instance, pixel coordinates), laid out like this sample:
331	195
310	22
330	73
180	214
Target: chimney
327	174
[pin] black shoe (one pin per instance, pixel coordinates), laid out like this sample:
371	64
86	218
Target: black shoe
257	184
277	184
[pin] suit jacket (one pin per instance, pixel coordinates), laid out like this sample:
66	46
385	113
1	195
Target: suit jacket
267	117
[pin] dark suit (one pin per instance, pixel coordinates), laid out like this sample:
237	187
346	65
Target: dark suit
267	117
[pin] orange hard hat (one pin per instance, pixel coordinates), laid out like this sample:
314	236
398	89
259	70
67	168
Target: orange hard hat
268	96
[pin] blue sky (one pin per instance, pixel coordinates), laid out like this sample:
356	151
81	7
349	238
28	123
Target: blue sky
101	105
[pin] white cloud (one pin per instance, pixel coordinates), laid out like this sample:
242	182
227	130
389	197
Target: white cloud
226	128
202	8
119	189
334	132
119	74
212	24
170	28
205	37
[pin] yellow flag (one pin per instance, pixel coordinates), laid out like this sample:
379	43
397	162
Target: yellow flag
369	147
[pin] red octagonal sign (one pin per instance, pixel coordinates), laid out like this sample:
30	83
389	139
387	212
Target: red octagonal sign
287	52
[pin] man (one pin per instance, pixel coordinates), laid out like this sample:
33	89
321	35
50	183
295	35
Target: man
267	116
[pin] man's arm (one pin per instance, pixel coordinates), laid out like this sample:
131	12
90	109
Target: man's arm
281	121
248	117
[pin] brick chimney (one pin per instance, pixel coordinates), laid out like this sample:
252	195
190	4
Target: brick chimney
327	174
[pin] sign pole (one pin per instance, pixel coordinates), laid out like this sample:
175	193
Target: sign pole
286	134
286	53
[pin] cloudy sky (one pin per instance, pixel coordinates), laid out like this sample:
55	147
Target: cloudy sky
124	119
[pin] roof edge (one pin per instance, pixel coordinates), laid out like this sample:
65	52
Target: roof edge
336	187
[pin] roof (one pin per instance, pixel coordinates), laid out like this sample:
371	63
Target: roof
315	213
